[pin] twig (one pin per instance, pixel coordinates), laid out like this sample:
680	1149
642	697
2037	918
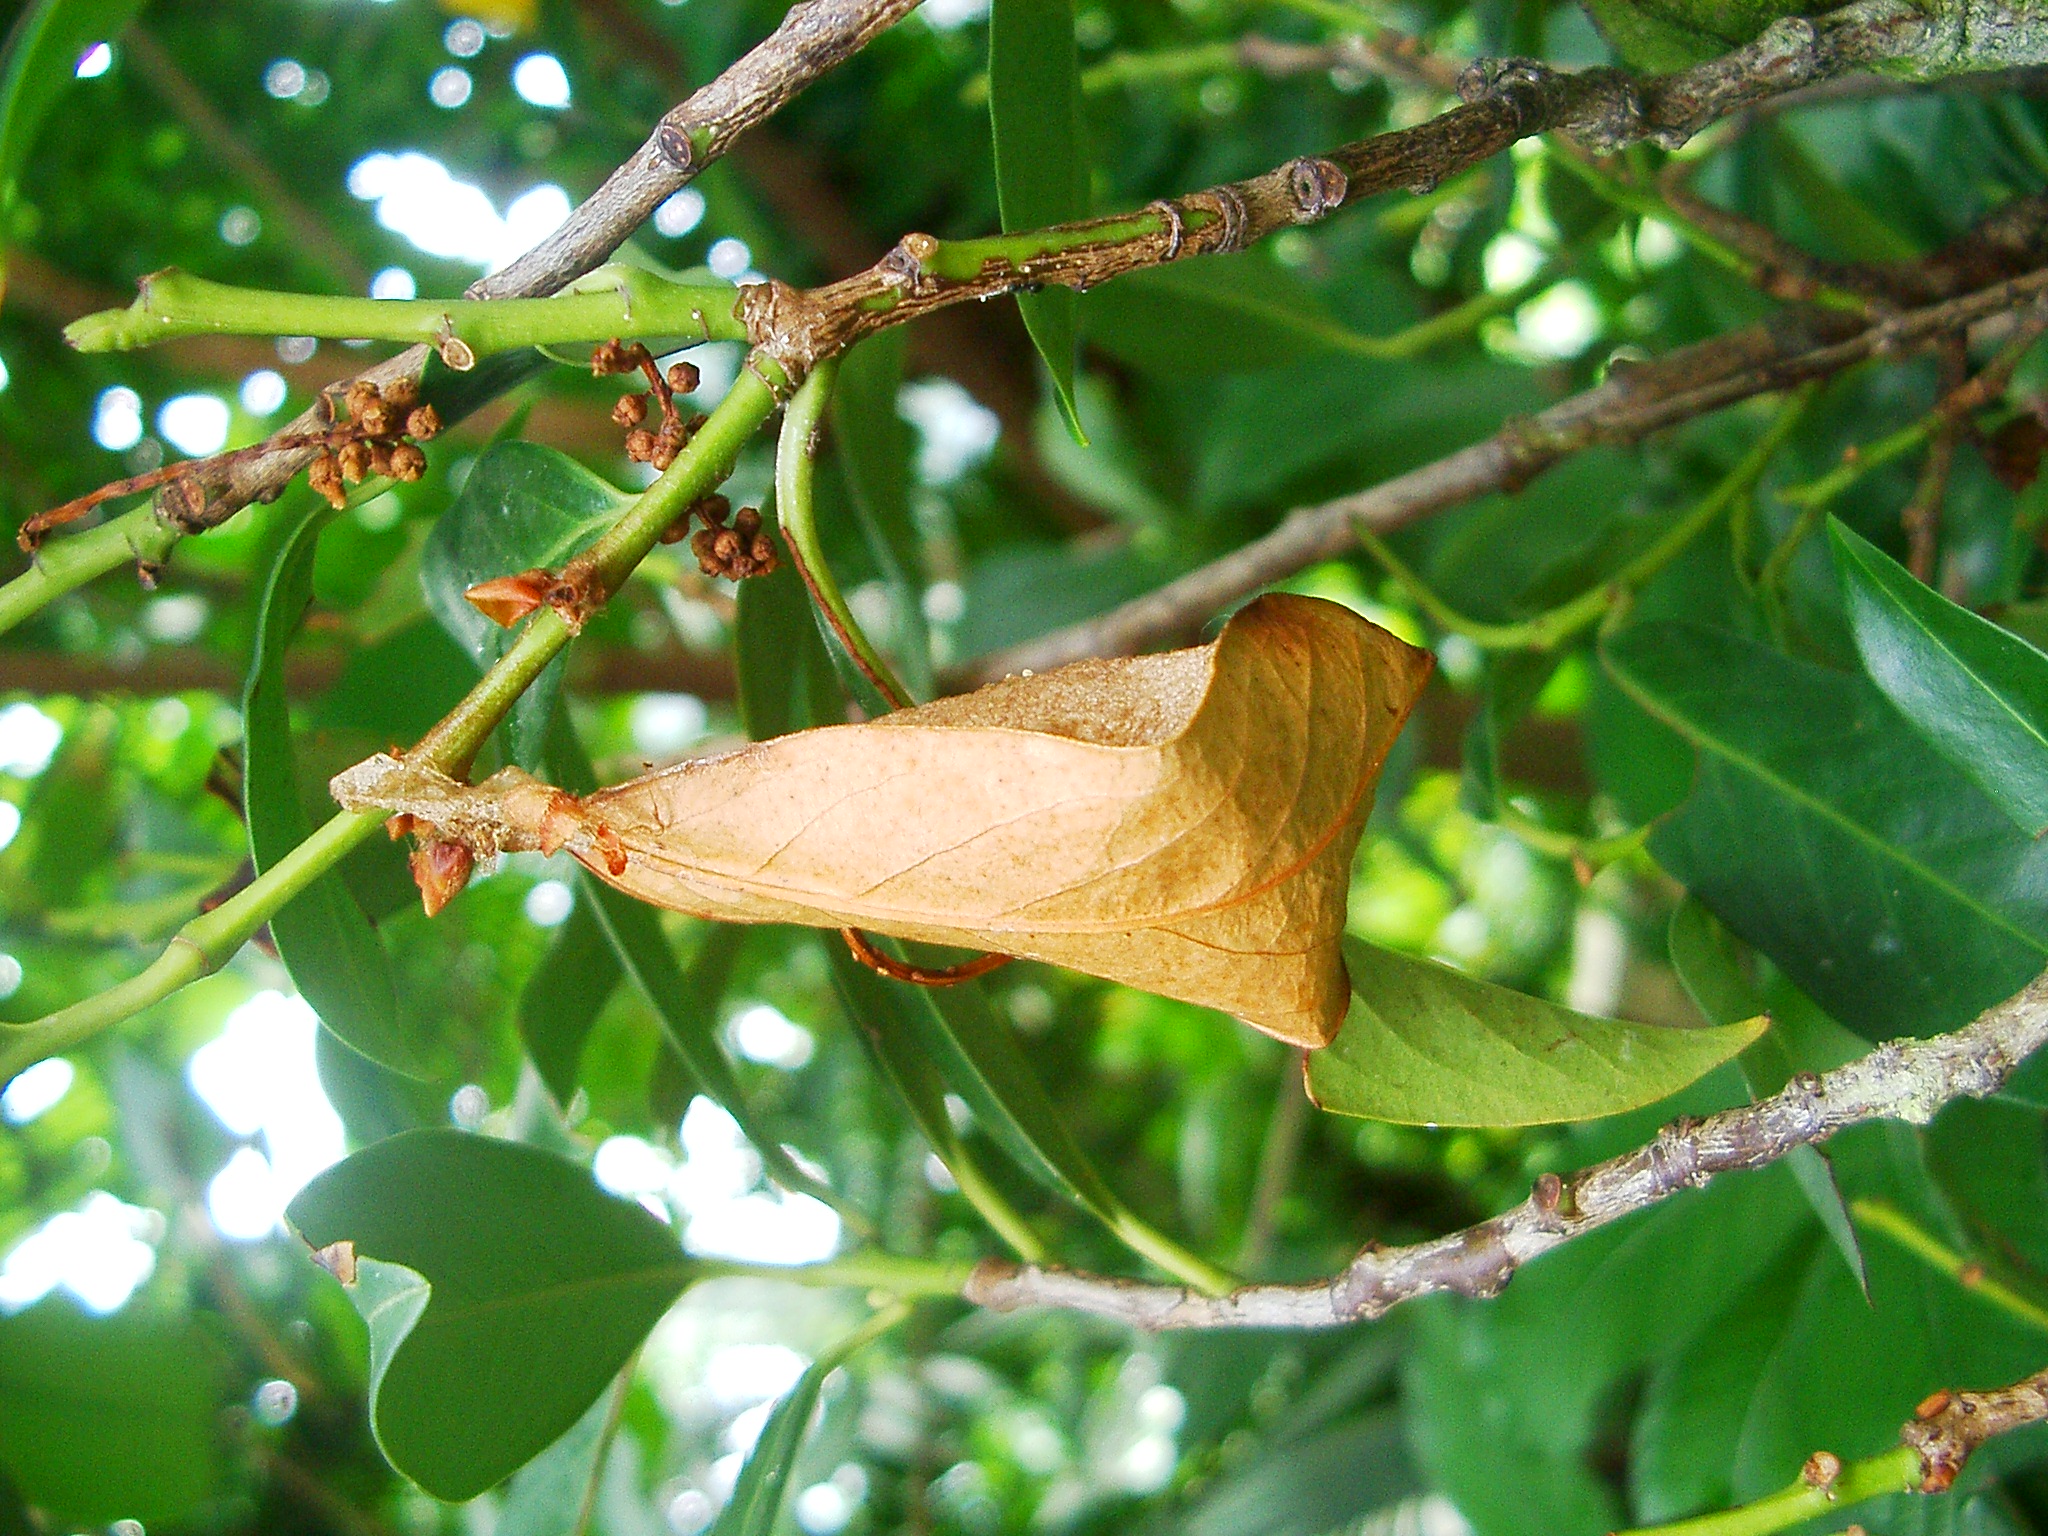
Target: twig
1906	1080
813	37
1944	1433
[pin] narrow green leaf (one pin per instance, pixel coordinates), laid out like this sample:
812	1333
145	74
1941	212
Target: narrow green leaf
978	1058
786	680
533	1288
1704	956
522	506
1250	314
757	1496
1034	104
563	997
107	1418
324	937
1976	692
1831	838
884	1013
1424	1044
42	55
873	446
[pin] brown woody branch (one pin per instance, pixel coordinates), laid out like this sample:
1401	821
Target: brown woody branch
1907	1080
1950	1426
1994	270
814	36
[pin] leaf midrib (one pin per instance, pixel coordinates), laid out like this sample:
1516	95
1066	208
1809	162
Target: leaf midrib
1817	807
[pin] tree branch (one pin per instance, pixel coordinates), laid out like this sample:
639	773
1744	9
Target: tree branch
813	37
1790	348
1906	1080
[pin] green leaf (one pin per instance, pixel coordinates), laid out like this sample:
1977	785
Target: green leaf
522	506
1426	1045
1249	314
42	55
1978	694
324	937
1703	954
785	676
1829	836
885	1015
556	1492
107	1418
1313	1485
531	1290
978	1057
1670	34
1034	105
757	1496
563	997
873	445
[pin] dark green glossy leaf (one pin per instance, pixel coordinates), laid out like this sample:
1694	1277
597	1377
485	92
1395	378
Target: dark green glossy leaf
1424	1044
107	1418
1828	835
530	1289
565	994
1976	692
757	1497
1704	956
522	506
323	936
1034	104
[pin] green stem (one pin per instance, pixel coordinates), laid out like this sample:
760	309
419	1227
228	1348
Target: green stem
203	945
796	505
1647	204
1931	1251
1554	627
1895	1471
1868	456
1594	852
68	564
198	949
612	301
869	1269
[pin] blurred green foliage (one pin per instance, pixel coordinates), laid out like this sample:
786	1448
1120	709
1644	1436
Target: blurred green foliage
1861	878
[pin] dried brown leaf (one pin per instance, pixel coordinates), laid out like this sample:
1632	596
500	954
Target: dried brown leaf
1183	823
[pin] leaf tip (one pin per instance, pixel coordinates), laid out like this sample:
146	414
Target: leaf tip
339	1260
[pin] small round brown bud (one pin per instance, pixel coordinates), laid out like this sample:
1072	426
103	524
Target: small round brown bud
378	419
630	411
355	461
676	531
423	423
402	393
664	453
380	459
763	552
640	445
700	545
407	463
608	357
713	509
324	475
726	544
360	396
683	378
748	523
